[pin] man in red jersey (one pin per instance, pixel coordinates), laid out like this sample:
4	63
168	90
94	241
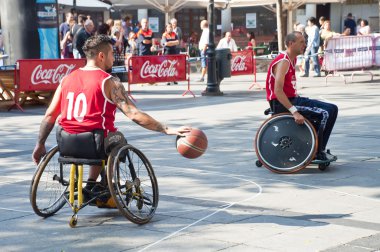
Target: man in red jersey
86	102
282	93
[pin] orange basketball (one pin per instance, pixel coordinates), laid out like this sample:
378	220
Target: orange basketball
193	145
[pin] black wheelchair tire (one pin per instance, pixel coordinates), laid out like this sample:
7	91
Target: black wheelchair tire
286	163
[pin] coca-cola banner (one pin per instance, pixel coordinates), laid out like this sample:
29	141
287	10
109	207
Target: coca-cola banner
33	75
149	69
242	62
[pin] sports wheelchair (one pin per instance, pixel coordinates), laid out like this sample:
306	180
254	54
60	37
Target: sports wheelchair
283	146
128	180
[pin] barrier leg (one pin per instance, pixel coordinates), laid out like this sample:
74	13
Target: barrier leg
361	72
129	93
255	74
335	74
188	83
16	102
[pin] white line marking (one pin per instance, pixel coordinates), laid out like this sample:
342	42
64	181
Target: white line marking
215	212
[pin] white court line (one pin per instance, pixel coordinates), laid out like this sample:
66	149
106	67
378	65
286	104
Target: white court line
15	210
215	212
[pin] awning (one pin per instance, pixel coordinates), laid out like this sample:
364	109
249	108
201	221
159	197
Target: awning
86	3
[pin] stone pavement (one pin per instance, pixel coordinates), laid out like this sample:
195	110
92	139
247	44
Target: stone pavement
220	201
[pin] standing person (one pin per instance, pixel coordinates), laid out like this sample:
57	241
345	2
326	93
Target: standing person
251	41
170	42
81	38
66	44
349	23
203	44
313	43
364	28
75	30
127	27
144	38
99	94
283	97
227	42
63	29
177	31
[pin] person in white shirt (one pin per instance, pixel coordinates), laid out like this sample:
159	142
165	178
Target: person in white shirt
227	42
203	44
364	28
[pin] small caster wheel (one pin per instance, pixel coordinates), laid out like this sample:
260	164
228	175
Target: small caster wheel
73	221
323	167
258	163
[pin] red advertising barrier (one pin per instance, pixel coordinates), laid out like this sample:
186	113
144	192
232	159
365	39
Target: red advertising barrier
242	63
32	75
163	68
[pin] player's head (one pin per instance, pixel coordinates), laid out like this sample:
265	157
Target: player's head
295	42
99	48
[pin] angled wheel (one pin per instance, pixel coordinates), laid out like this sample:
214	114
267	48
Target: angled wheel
283	146
48	187
132	184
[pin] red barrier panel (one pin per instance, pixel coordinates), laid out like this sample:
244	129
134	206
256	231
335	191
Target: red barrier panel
33	75
242	63
163	68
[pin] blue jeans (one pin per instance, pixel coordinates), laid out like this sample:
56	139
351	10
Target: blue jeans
317	70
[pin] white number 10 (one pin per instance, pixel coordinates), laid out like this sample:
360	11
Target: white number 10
80	100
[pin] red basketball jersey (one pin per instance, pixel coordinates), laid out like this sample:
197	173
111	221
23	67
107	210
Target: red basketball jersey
290	78
84	105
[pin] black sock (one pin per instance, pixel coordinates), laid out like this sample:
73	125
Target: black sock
90	184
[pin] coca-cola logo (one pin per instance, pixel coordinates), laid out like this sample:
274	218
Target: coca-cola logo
238	63
164	69
50	75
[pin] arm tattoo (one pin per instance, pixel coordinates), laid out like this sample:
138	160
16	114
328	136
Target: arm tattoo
45	129
120	97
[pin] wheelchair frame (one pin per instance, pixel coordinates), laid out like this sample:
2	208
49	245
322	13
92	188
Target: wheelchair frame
130	180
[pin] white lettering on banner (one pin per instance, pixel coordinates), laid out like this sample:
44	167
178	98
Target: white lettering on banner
50	76
238	64
165	69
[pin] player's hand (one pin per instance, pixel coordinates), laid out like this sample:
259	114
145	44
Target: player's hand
38	152
298	118
181	131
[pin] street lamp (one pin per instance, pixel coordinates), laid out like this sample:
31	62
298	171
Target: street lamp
212	88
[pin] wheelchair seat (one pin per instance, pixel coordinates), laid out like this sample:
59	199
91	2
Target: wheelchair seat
79	161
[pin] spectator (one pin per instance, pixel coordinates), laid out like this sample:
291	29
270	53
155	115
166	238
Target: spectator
103	29
144	38
66	44
118	51
327	33
227	42
177	31
74	31
251	41
203	44
81	38
63	29
350	23
170	42
131	49
364	28
312	48
192	48
127	27
358	24
322	21
110	23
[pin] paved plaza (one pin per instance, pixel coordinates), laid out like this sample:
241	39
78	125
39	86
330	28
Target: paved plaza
220	201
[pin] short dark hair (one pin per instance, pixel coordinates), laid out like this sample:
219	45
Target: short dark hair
312	20
96	44
292	37
82	18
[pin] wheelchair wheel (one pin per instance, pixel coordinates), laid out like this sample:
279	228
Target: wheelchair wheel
47	190
132	184
283	146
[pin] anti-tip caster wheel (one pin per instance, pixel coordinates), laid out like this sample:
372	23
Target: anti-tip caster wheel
323	167
73	221
258	163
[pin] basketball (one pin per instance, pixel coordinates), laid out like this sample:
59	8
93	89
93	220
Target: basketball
192	145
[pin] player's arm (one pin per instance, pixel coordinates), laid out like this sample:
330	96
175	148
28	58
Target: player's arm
47	125
280	70
115	91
